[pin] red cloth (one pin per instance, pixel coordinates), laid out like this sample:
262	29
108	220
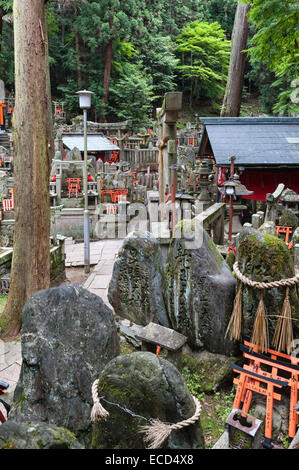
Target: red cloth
54	178
263	181
221	172
89	178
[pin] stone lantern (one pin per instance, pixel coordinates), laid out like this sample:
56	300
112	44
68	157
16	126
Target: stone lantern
205	180
233	189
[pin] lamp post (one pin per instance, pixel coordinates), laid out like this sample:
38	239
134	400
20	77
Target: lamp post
234	190
230	191
85	104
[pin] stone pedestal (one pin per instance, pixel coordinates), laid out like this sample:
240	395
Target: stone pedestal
236	225
154	336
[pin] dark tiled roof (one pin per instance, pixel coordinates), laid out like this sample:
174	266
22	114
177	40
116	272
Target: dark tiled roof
95	142
254	141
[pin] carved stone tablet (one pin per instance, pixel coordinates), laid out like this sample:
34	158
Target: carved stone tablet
162	336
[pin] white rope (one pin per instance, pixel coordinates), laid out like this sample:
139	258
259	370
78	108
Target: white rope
264	285
98	412
156	432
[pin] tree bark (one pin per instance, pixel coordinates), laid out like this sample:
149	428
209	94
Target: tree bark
1	26
77	49
233	93
30	269
108	62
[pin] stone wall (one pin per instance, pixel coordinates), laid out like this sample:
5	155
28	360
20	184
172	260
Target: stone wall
57	256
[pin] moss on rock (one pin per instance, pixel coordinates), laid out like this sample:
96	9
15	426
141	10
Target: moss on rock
265	258
146	387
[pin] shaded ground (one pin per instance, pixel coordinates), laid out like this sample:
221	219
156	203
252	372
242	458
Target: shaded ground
75	276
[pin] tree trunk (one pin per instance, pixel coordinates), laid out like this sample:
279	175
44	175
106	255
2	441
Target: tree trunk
108	62
1	26
30	269
77	49
233	93
1	31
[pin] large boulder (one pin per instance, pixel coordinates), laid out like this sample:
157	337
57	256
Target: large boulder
200	290
265	258
135	388
68	336
136	287
36	436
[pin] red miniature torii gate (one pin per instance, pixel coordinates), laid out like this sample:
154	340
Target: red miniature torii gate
253	378
2	106
9	204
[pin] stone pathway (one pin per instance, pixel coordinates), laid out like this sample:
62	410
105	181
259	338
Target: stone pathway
98	251
10	366
102	257
98	281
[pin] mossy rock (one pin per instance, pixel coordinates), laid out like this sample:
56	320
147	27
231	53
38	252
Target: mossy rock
136	287
230	259
36	436
200	291
295	237
288	218
136	388
205	372
265	258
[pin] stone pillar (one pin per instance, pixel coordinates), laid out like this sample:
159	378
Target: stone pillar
296	258
58	181
272	201
121	149
167	119
2	90
262	216
256	221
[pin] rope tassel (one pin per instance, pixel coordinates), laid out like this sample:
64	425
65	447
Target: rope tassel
260	334
283	335
156	433
234	326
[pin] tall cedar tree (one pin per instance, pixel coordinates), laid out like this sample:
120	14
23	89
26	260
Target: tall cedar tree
233	94
30	270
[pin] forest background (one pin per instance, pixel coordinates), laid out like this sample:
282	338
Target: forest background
129	53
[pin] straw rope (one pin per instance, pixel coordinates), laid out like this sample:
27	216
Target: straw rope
265	285
156	432
98	412
283	335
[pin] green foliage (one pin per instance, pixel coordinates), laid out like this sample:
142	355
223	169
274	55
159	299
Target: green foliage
6	45
204	59
7	56
6	5
261	80
133	94
162	45
275	43
222	11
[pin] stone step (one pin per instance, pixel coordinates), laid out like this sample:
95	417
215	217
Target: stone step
4	140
